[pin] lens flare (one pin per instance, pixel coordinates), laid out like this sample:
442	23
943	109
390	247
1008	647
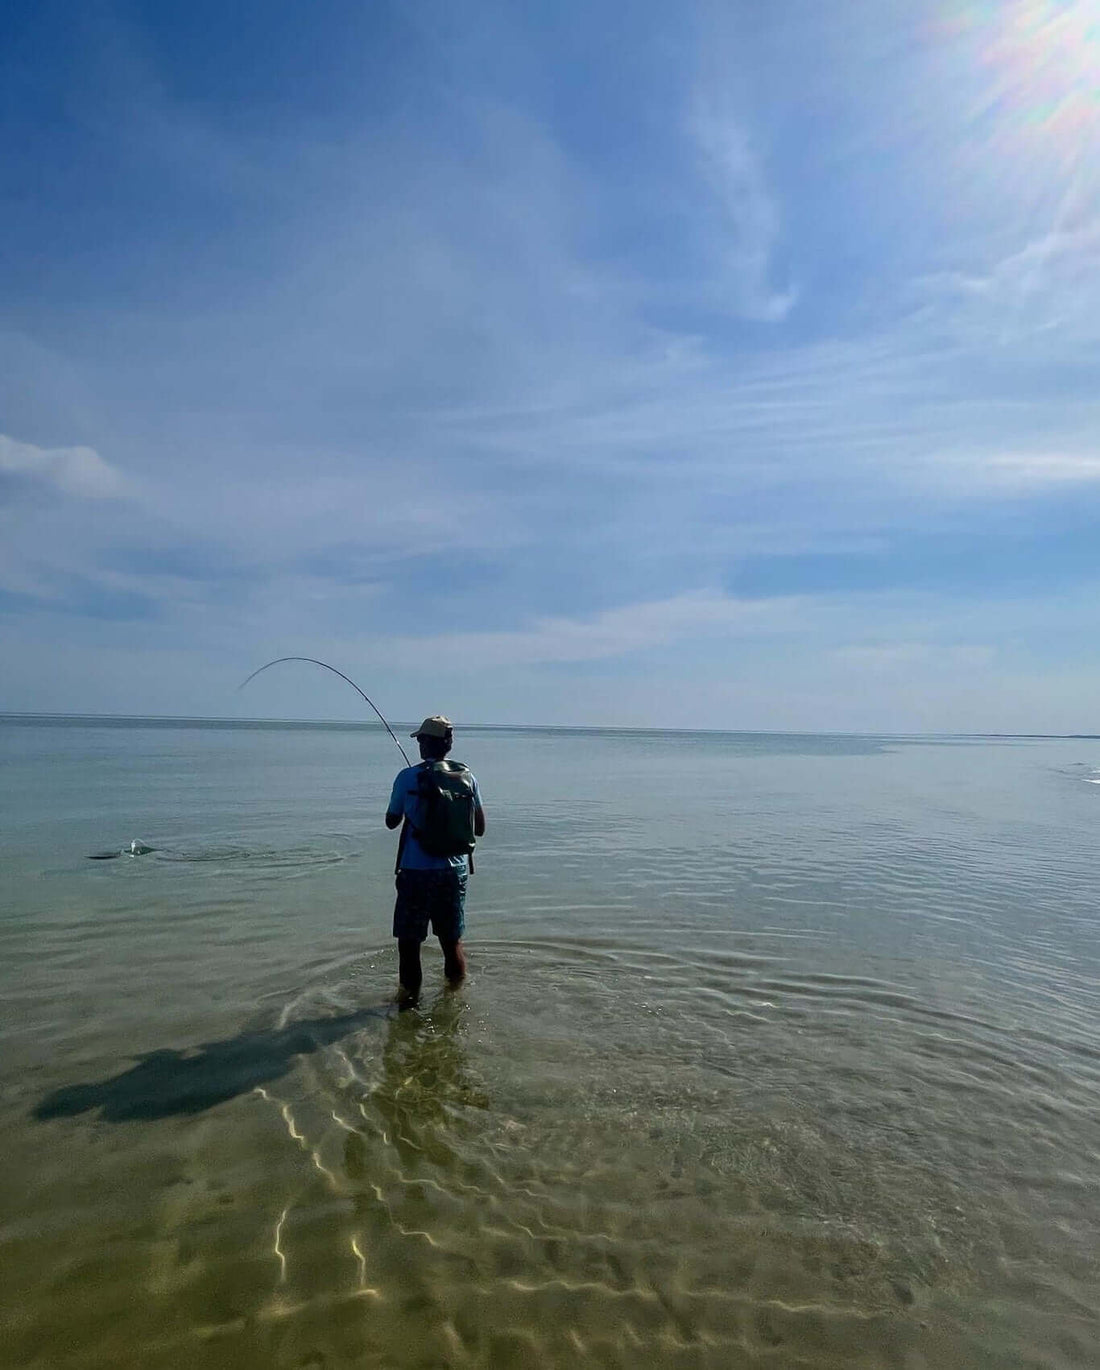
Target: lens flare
1041	61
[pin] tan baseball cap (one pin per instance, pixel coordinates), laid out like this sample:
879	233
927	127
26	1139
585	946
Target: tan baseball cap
436	726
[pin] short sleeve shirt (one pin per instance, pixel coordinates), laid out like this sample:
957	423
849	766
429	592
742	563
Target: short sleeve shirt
405	803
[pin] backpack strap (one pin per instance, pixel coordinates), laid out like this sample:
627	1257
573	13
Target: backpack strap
404	837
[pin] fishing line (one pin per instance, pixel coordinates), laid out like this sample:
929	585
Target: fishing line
313	660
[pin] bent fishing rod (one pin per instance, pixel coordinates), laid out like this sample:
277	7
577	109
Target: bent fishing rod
313	661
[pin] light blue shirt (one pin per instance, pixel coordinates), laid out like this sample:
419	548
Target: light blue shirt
405	803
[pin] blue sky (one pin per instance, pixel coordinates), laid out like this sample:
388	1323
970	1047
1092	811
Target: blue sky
706	365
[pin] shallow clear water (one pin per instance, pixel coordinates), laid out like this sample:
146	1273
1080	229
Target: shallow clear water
775	1051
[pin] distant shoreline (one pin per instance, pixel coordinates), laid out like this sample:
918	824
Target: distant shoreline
321	724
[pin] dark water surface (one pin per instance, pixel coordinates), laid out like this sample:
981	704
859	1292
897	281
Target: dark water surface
775	1051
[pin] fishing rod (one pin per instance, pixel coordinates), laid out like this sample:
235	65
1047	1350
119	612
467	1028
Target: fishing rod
313	660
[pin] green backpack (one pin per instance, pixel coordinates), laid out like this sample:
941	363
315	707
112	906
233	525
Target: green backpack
447	803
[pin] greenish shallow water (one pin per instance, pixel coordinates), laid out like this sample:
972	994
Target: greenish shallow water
775	1051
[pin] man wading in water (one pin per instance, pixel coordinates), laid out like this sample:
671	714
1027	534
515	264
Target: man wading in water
440	805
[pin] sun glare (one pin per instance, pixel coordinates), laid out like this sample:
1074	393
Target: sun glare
1042	61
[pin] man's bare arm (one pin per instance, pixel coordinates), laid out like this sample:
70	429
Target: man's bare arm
393	819
479	821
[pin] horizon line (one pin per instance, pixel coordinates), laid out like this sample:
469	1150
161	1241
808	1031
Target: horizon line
530	727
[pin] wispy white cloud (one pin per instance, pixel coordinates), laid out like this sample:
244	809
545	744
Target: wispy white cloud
1031	470
749	213
78	471
1048	286
615	633
980	473
380	360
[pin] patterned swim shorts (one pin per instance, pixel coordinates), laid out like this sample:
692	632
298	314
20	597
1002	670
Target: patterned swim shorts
437	897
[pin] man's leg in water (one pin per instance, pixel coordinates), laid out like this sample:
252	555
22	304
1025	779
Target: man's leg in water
454	960
409	973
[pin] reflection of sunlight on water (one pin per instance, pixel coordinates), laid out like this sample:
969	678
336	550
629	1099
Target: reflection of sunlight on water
592	1187
296	1136
729	1098
560	1167
279	1252
364	1288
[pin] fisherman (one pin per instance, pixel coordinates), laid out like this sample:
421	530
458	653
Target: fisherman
439	804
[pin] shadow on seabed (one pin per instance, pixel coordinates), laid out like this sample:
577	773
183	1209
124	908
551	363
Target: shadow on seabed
168	1082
